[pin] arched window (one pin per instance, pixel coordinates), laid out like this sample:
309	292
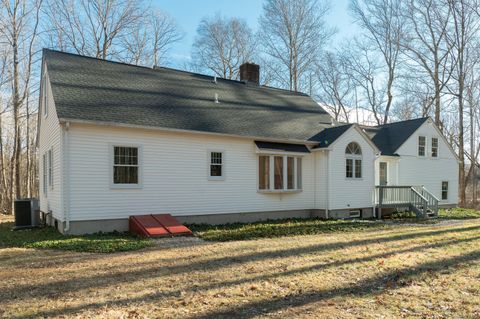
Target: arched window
353	161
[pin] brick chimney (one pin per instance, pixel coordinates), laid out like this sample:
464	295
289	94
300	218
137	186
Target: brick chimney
250	73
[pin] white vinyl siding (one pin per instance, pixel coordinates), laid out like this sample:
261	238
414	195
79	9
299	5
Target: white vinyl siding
50	142
428	171
348	192
174	169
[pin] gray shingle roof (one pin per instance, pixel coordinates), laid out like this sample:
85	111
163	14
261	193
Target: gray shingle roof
285	147
389	137
90	89
329	135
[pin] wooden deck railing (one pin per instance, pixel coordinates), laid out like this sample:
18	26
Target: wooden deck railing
416	198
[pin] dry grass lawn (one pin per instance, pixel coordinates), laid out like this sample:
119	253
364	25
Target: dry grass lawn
404	271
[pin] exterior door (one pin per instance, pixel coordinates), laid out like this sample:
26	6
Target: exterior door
383	173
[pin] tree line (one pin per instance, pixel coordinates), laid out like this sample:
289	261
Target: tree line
406	59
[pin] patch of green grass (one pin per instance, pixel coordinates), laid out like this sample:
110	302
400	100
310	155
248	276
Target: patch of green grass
459	213
279	228
49	238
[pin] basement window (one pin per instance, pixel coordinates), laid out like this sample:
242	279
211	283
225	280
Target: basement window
279	173
125	166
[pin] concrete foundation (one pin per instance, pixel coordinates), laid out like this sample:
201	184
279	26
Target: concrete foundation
121	225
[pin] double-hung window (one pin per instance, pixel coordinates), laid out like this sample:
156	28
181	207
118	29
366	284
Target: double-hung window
126	166
353	161
422	144
444	190
216	165
44	175
279	173
434	147
50	167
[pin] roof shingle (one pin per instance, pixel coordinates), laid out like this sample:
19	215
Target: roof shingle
97	90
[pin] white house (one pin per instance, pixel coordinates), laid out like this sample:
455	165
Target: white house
117	140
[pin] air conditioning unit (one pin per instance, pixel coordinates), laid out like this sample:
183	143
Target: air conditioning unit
27	213
357	213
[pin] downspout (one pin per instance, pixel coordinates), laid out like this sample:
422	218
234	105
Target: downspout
315	182
327	205
374	197
66	190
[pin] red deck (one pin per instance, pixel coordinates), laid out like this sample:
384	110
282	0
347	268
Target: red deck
157	226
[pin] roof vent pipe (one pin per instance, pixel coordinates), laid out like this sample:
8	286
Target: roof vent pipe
216	98
215	79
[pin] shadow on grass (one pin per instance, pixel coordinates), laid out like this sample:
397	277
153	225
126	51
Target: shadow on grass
245	311
376	284
154	269
279	228
49	238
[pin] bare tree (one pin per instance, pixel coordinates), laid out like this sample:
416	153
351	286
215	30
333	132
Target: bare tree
464	42
92	27
293	33
21	20
336	88
427	25
149	41
363	68
222	45
383	26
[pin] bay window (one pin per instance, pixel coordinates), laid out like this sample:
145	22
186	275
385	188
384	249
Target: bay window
279	173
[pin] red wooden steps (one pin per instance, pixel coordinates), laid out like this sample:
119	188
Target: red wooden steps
157	226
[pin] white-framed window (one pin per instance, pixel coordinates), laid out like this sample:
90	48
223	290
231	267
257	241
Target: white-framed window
434	147
44	175
50	167
353	161
45	96
216	165
279	173
126	166
422	145
444	190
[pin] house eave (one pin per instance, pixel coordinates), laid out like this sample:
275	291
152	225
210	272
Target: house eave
164	129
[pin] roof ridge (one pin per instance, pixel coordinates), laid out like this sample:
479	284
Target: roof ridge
399	122
97	59
157	68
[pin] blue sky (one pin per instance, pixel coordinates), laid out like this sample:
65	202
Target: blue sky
188	14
